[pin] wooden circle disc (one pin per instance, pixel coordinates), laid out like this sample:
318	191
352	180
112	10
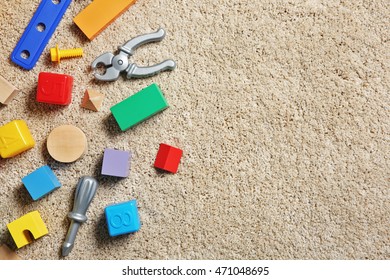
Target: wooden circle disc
66	143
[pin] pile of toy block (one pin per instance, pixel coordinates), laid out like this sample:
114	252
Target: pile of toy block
64	142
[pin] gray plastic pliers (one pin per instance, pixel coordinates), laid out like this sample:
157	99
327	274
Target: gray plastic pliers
115	64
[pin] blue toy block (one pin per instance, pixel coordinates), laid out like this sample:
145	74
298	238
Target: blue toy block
41	182
122	218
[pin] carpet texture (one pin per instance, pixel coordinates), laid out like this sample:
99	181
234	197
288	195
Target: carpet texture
281	109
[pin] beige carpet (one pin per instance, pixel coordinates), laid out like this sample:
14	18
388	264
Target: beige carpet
281	109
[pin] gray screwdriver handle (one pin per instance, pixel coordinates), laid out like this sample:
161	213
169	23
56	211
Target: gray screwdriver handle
85	191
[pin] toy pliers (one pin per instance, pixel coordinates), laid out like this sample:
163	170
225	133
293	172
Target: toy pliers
115	64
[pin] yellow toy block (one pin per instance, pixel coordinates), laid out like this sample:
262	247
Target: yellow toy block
15	138
27	226
99	14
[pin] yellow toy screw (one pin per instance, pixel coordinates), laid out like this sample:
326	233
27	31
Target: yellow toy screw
57	54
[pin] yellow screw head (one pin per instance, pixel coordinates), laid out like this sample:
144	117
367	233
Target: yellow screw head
55	54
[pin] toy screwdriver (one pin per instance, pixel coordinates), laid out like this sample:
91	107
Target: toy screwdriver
85	191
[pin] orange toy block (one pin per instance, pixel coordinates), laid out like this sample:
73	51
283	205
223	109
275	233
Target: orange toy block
7	254
7	91
27	225
99	14
92	100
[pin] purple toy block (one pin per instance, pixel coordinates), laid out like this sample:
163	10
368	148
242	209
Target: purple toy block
116	163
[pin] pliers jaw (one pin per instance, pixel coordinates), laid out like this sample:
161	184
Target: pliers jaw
115	64
104	63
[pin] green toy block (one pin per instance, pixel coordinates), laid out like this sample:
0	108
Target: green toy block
139	107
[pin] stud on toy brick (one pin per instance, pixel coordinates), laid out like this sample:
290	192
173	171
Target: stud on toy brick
41	182
15	138
7	91
116	163
29	223
122	218
139	107
92	100
168	158
54	88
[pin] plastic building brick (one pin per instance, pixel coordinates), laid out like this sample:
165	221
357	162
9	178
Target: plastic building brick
15	138
56	54
168	158
116	163
38	32
7	91
92	100
139	107
66	143
41	182
20	228
54	88
122	218
7	254
99	14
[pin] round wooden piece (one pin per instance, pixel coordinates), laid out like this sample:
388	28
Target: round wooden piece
66	143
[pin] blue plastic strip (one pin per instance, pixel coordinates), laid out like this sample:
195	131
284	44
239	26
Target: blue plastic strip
38	32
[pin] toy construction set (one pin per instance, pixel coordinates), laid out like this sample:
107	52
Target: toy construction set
67	143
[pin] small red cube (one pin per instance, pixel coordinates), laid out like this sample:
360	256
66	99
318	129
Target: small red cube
168	158
54	88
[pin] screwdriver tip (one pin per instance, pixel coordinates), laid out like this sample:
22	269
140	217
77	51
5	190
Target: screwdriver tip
66	248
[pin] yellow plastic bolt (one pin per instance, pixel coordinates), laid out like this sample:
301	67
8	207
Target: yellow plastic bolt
57	54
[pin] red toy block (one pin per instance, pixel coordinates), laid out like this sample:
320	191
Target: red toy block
54	88
168	158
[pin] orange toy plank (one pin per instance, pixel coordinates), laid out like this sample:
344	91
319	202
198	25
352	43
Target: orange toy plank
99	14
